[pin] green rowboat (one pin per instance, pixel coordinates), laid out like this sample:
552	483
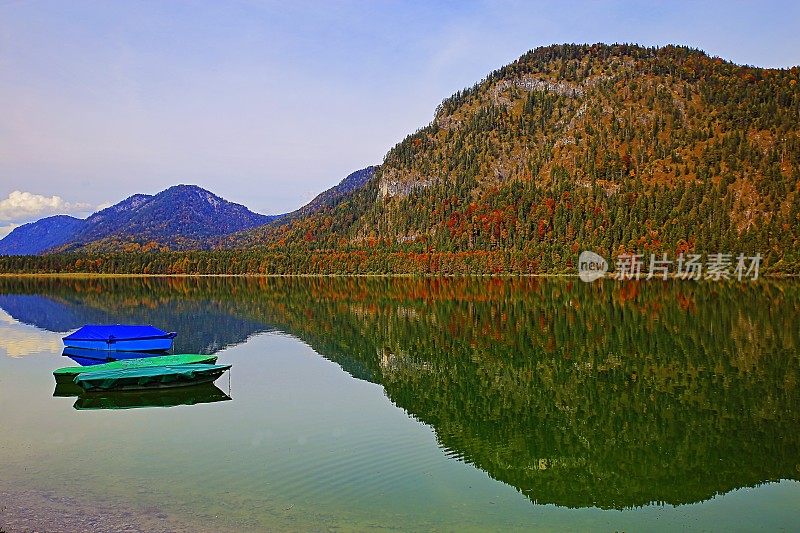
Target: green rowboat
67	374
150	377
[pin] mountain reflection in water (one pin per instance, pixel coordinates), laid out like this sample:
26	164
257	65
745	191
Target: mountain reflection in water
608	394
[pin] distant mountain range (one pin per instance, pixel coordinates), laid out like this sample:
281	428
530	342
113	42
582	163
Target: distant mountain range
179	218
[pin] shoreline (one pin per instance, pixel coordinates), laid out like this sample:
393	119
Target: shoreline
771	276
102	275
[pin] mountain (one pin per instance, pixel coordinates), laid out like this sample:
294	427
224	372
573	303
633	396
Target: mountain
610	148
35	237
181	217
326	199
109	220
330	197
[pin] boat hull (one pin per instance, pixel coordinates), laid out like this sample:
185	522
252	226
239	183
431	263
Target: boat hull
120	338
158	344
67	374
154	377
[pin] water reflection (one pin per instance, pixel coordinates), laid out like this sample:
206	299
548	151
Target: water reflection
605	394
86	357
136	399
66	389
205	325
20	340
205	393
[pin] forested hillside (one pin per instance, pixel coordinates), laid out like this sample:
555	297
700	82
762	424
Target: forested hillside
35	237
608	148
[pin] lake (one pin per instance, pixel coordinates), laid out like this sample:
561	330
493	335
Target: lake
407	404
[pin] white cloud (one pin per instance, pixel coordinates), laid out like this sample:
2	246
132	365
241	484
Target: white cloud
18	340
8	228
20	206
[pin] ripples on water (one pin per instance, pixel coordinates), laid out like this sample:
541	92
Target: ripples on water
584	397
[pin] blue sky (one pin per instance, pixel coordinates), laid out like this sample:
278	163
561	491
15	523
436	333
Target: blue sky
268	103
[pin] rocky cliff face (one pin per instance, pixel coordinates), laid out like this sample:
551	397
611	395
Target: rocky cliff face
399	184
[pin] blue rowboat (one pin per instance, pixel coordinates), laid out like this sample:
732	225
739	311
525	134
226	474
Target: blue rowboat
120	338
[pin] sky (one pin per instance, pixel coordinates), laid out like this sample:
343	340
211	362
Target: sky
269	103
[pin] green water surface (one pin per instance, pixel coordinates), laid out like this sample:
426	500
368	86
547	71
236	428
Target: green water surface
448	404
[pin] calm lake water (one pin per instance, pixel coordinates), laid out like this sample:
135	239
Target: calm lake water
449	404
